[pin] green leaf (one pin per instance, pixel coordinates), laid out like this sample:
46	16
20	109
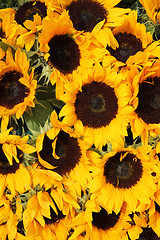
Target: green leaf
3	4
5	46
21	2
40	114
56	103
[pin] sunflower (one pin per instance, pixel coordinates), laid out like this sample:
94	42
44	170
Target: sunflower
154	208
151	17
152	8
59	224
10	218
95	222
154	215
16	84
67	53
148	234
100	109
47	218
62	153
138	222
37	206
47	179
44	177
2	56
5	11
154	154
25	24
135	45
95	18
13	174
124	176
146	119
29	9
109	225
30	15
8	31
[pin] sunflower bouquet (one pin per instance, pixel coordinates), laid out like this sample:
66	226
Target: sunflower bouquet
79	120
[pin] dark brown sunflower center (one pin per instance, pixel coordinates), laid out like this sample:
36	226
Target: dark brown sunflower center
128	45
148	234
60	149
149	100
67	149
124	170
85	14
12	92
5	167
123	173
29	9
103	220
96	105
64	53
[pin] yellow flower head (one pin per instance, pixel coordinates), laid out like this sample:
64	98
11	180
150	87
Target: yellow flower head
10	215
148	233
65	51
61	152
154	215
146	119
16	84
135	45
29	9
99	110
152	8
20	26
94	220
13	174
124	176
95	18
8	32
29	16
139	224
45	216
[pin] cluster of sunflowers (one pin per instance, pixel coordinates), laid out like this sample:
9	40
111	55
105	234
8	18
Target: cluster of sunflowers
80	120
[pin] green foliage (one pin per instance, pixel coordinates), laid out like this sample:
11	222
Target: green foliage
128	4
8	3
39	115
